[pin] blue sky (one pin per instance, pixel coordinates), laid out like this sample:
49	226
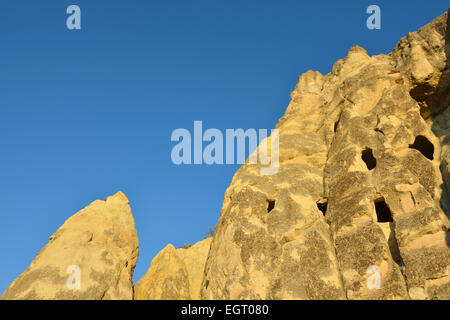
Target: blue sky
88	112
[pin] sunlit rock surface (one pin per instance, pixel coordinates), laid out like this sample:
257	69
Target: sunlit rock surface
100	241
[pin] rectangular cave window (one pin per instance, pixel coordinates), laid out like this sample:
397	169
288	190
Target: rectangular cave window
270	205
368	158
383	211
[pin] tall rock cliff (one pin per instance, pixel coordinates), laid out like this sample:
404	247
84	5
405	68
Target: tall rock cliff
91	256
362	186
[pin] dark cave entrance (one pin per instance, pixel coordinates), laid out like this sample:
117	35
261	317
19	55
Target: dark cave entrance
423	145
368	158
383	212
270	205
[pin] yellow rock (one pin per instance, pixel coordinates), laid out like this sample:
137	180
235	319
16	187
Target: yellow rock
91	256
174	274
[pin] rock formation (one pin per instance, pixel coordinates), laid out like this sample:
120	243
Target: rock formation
175	274
100	243
362	154
362	190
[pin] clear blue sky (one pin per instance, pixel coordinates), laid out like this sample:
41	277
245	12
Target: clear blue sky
86	113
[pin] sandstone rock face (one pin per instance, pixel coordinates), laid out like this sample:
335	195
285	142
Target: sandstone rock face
440	125
368	145
100	243
422	57
175	274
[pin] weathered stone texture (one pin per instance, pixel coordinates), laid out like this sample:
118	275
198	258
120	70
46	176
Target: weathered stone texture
174	274
357	138
101	240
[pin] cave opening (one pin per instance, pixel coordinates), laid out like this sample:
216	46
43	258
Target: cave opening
322	206
423	145
368	158
383	212
270	205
